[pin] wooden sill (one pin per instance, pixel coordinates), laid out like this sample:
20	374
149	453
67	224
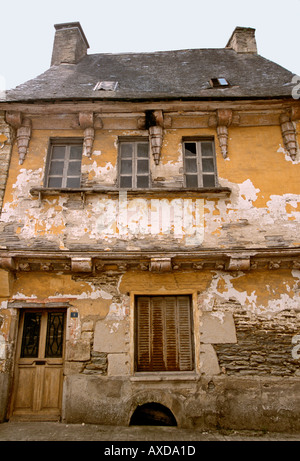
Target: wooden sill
154	192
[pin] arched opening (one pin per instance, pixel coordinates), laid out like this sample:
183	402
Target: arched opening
152	414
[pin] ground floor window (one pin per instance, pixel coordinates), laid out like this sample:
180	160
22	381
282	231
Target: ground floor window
163	334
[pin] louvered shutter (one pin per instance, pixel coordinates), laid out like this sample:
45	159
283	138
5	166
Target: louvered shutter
164	334
184	333
143	334
157	333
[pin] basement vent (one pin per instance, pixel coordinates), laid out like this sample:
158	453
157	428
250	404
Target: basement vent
218	82
106	86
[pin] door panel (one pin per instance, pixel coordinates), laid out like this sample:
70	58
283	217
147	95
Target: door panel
38	378
52	389
24	394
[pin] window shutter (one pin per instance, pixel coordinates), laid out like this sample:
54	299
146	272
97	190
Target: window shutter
164	334
157	334
171	344
184	333
143	334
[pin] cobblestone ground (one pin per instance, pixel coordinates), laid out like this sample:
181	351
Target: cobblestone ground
37	431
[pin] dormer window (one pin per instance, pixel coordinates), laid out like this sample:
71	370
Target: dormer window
218	82
106	86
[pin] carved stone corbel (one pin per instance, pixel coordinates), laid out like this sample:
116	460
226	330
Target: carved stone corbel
156	138
160	265
156	122
7	263
288	135
23	127
224	118
81	264
86	122
23	138
241	263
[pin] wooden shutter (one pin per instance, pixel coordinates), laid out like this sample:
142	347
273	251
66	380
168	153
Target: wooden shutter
164	334
143	334
184	333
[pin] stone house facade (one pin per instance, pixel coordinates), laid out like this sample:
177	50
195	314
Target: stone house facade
150	239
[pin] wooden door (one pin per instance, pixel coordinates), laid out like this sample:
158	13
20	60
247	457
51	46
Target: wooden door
37	391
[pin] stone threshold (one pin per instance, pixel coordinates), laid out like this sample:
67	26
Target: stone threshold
165	376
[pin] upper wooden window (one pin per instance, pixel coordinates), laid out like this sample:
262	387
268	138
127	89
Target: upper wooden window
199	163
64	166
164	333
134	164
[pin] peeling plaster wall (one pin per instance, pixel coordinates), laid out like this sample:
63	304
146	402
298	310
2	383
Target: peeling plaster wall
246	324
225	305
262	211
246	327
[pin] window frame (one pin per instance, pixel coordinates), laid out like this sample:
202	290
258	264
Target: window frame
180	354
134	142
67	143
198	141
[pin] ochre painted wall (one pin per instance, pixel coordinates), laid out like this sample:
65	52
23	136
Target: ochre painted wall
263	179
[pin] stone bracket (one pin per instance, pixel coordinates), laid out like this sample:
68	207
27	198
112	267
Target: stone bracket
7	263
157	122
23	127
288	135
81	264
241	263
160	265
87	122
224	119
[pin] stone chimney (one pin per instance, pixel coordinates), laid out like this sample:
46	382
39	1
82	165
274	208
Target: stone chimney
70	44
243	40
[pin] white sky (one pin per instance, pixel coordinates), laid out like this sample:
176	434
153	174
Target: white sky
117	26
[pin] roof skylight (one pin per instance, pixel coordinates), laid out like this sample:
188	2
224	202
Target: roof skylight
106	86
218	82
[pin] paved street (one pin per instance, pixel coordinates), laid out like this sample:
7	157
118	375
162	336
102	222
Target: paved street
37	431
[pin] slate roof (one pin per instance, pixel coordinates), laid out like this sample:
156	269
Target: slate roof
182	74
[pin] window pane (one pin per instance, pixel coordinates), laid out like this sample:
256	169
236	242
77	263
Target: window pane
126	166
208	165
142	181
55	182
191	180
143	150
190	149
73	182
74	169
142	166
56	168
190	165
126	181
31	335
208	180
207	149
58	152
126	150
75	152
54	340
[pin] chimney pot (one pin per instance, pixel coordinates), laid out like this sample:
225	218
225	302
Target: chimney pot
243	40
70	44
